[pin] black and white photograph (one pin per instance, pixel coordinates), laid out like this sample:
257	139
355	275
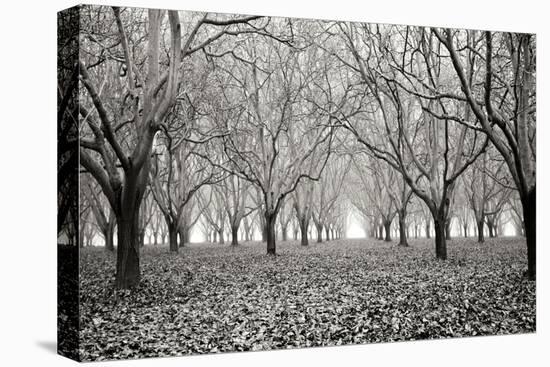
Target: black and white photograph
233	182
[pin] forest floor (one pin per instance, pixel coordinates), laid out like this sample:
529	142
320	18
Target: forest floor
215	298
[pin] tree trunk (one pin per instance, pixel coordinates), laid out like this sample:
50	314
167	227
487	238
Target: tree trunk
155	238
234	235
109	237
263	224
181	234
490	227
327	234
127	269
465	226
480	234
270	232
402	230
530	222
173	237
440	239
303	231
387	228
332	234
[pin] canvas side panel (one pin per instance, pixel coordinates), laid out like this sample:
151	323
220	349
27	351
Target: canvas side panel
67	183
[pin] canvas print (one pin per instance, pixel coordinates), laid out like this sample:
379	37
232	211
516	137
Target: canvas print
251	183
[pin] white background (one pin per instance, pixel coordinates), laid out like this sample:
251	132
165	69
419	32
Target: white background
28	183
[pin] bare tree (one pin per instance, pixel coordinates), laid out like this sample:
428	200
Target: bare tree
124	136
405	126
262	145
507	112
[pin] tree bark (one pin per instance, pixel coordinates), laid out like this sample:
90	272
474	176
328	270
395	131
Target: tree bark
173	238
303	231
270	232
387	228
127	269
440	239
182	236
263	224
234	235
109	237
327	233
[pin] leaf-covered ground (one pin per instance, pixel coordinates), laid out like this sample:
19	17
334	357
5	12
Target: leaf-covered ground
212	298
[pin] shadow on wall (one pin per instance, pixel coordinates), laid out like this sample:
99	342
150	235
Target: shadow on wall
48	345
